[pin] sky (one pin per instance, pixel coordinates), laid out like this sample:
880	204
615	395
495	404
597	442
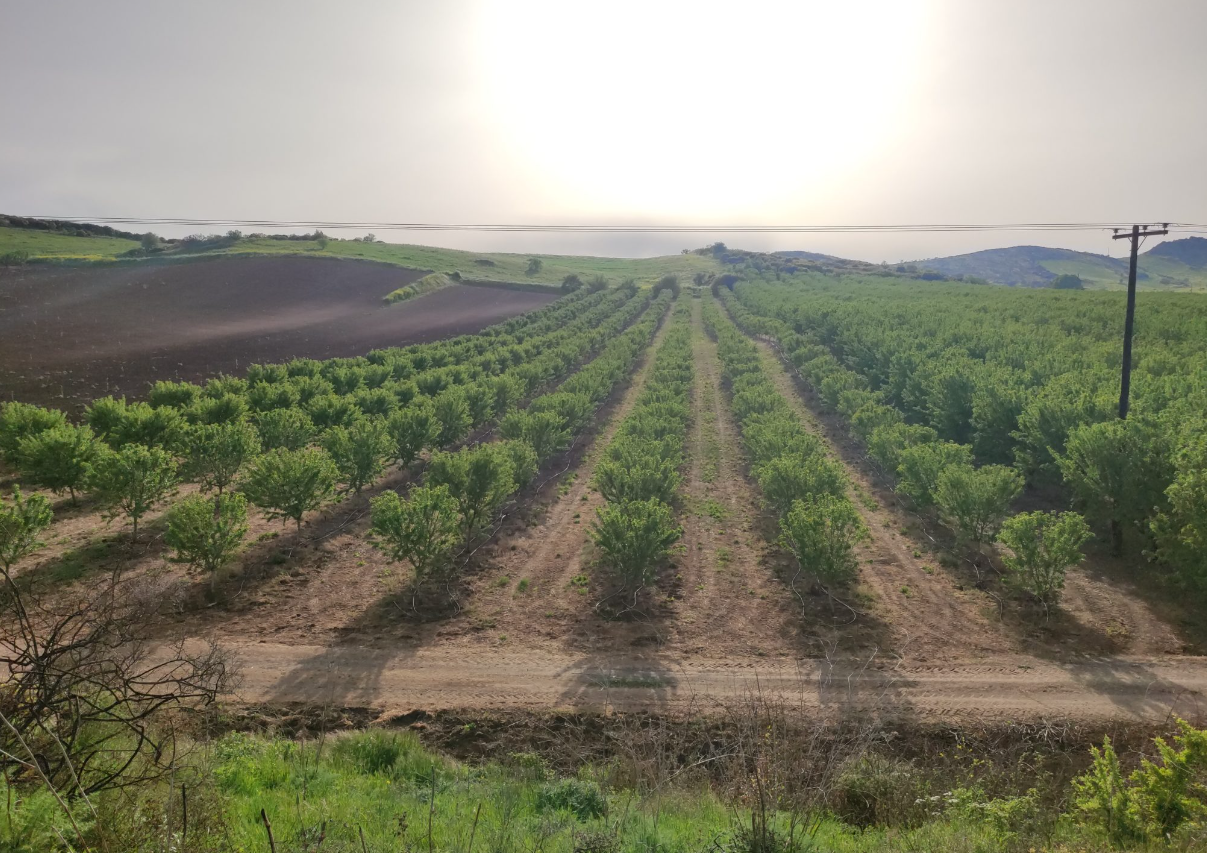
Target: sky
620	112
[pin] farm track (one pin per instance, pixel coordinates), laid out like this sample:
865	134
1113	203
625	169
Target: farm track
392	682
729	595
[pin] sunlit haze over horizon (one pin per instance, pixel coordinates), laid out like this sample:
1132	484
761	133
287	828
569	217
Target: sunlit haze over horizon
636	113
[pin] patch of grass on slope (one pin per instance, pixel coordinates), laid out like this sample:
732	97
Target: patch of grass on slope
473	266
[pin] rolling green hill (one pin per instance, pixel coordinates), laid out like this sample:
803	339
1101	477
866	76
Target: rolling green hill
55	246
1172	265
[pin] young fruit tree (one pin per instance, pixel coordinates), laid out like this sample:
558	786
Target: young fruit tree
217	452
424	529
290	483
1043	546
359	451
451	411
545	432
1118	472
291	429
59	458
133	481
20	421
411	429
789	478
479	479
206	533
822	532
920	466
974	501
22	520
635	536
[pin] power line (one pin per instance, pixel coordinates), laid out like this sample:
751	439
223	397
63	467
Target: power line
609	229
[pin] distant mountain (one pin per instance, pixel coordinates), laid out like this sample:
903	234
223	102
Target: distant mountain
1191	251
1030	266
1173	265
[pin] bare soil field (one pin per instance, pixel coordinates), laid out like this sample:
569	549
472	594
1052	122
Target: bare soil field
71	334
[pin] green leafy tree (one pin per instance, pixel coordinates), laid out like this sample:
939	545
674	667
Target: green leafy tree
545	432
330	410
176	395
789	478
359	451
19	421
217	452
269	396
290	429
1043	547
22	521
480	479
480	400
424	529
920	466
523	462
976	500
508	390
206	533
1118	471
1181	531
290	483
451	411
822	532
132	481
534	266
888	441
636	473
635	537
60	458
411	430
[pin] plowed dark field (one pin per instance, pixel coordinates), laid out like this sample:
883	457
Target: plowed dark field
69	335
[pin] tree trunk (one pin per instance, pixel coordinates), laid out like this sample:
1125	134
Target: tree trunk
1116	537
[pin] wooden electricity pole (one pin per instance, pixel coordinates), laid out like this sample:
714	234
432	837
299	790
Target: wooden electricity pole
1136	233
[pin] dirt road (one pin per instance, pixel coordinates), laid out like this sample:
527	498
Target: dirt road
392	681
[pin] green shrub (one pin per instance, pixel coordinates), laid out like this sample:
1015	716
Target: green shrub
579	797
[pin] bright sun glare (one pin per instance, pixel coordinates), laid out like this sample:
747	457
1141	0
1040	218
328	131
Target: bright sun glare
657	106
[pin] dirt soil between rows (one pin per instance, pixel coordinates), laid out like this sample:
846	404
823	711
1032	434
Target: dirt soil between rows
71	334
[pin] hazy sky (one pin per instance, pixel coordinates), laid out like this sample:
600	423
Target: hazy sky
556	111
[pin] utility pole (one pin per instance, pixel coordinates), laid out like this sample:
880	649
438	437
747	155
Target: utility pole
1137	232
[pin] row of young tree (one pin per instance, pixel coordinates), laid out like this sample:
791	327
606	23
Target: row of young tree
131	457
465	490
973	500
638	475
806	489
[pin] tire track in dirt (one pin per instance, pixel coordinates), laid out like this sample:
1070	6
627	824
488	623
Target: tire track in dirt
925	609
1131	689
730	601
1116	614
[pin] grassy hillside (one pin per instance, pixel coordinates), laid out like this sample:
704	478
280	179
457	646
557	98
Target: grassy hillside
44	245
47	244
1172	265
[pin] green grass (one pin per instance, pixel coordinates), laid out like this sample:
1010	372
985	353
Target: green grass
430	282
46	244
502	266
387	788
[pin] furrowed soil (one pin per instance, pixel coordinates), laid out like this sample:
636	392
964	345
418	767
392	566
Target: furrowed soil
71	334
